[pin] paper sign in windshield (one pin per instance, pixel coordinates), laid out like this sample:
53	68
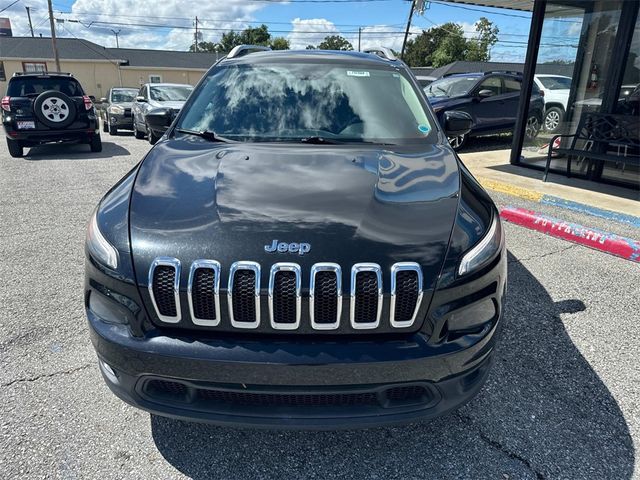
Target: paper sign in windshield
357	73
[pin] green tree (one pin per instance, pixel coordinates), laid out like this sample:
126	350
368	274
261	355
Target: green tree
447	43
479	48
280	43
335	42
255	36
204	47
310	47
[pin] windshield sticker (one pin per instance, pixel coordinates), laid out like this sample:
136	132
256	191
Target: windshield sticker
424	128
353	73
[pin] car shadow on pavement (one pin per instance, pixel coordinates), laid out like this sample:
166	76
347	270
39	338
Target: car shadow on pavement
68	152
544	413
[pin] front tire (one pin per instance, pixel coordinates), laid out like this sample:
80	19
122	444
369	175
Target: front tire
16	150
153	138
105	124
532	127
553	118
96	143
458	141
113	129
138	134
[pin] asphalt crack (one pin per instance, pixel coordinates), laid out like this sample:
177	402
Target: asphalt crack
548	254
48	375
501	448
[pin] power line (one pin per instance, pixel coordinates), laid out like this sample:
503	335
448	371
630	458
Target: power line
9	6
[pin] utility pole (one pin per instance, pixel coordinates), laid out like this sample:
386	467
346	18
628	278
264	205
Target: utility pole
196	34
359	37
53	37
30	24
406	32
116	33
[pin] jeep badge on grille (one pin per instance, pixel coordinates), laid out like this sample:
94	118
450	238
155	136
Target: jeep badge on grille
283	247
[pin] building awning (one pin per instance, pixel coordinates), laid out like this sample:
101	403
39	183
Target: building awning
524	5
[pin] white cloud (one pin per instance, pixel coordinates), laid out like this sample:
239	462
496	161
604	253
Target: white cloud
382	36
310	32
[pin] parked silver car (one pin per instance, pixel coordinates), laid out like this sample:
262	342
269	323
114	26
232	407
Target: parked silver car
157	95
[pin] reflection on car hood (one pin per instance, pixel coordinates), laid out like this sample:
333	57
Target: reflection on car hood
121	104
194	199
168	104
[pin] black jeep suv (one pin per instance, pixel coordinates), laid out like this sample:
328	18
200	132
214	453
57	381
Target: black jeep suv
301	249
44	108
490	98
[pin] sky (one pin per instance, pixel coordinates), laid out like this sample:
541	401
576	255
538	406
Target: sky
169	24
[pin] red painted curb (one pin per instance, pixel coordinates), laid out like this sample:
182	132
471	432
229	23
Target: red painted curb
605	242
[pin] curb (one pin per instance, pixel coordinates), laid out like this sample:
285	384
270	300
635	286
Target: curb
610	243
554	201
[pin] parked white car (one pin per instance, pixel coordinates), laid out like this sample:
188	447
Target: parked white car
555	89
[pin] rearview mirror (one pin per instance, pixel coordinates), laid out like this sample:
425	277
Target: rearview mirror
140	98
484	93
103	100
457	123
159	119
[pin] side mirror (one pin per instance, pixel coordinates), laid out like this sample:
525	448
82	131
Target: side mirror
103	100
485	93
140	98
159	119
457	123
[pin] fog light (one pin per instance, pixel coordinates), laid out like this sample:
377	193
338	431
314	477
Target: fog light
109	372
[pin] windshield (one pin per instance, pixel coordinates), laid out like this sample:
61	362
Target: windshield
285	102
123	96
170	93
451	86
556	83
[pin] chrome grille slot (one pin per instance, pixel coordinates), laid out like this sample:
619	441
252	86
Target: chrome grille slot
164	284
325	296
366	296
244	294
284	296
204	293
406	293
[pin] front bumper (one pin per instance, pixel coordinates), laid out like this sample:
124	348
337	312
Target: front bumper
291	383
121	120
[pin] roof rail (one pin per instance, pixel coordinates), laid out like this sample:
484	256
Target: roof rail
382	52
22	74
242	50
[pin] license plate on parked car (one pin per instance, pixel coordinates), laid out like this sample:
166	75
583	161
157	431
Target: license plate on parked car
26	124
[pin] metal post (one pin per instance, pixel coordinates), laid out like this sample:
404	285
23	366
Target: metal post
30	24
359	38
196	34
53	37
116	33
535	33
406	32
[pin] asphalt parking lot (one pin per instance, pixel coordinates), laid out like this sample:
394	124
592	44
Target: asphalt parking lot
563	400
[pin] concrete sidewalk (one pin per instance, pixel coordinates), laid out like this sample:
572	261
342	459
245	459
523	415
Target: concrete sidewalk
494	172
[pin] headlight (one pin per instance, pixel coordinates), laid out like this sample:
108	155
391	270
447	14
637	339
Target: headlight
99	247
116	110
484	250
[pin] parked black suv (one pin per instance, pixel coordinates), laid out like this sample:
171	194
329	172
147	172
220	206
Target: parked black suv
48	108
298	250
490	98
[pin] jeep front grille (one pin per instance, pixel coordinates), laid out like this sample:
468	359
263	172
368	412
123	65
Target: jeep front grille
285	299
164	288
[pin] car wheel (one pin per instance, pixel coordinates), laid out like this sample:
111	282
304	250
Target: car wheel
16	150
553	118
458	141
153	138
54	109
105	124
532	127
138	134
96	143
113	130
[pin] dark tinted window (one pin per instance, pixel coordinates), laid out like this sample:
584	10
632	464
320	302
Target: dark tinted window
26	86
289	101
492	83
511	85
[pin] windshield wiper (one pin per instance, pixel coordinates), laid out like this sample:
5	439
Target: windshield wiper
207	135
316	140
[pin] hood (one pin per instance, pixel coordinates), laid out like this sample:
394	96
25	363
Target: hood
168	104
121	104
194	199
